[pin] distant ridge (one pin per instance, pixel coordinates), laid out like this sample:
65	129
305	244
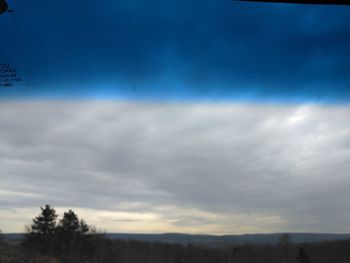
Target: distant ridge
228	240
217	241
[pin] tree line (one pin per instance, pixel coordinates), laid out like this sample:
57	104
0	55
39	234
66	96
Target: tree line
71	240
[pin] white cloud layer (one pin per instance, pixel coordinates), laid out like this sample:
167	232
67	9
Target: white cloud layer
199	168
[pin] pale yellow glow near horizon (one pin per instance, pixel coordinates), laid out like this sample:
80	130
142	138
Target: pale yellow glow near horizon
157	221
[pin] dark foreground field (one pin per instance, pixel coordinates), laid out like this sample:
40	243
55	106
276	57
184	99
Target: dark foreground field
96	248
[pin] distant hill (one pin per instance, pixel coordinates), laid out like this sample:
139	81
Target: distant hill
217	241
227	240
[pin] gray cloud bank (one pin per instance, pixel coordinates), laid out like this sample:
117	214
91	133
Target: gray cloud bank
204	168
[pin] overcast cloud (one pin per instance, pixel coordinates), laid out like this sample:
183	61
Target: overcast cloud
202	168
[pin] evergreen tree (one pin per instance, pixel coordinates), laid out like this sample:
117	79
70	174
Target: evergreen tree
40	234
66	240
84	228
70	222
45	223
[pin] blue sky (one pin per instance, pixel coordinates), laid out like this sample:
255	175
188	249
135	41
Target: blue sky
178	50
